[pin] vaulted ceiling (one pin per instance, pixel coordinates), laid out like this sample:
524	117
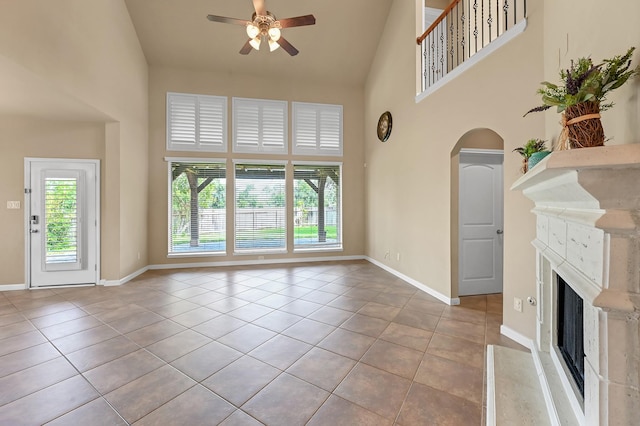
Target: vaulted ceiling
338	49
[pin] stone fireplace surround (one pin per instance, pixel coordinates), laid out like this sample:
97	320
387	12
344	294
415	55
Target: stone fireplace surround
587	207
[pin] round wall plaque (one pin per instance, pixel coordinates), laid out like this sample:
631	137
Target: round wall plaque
384	126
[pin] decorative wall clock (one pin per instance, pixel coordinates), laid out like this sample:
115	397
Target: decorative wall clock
384	126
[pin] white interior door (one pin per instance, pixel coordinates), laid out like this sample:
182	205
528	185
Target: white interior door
480	220
62	225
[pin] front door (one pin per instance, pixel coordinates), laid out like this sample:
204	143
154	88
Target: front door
481	228
62	225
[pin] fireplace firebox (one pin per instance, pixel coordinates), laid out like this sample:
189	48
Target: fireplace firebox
571	331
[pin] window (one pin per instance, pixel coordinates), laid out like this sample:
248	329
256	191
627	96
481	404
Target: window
196	123
197	207
260	201
259	126
317	206
317	129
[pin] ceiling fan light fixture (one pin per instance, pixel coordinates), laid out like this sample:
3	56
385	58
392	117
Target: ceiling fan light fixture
274	33
255	43
252	30
273	45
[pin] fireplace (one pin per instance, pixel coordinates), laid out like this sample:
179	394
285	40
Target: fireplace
570	332
587	207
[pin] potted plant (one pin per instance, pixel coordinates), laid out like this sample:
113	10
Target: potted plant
532	153
581	97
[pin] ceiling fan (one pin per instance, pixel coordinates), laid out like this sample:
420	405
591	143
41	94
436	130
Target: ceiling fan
265	26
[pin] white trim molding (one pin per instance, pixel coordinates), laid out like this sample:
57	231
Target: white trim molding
12	287
124	280
255	262
416	284
516	337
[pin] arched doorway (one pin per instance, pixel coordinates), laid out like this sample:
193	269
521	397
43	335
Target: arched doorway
476	213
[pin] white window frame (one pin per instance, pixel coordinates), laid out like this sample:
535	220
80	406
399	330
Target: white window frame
319	247
197	142
260	146
278	250
320	148
170	253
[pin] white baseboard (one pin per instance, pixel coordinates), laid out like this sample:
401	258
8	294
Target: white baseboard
254	262
112	283
415	283
12	287
517	337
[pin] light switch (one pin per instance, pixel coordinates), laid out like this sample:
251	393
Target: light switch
13	205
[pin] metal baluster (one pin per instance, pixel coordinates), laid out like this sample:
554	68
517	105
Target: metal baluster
441	28
525	8
450	40
489	21
469	27
506	14
437	58
423	58
432	62
482	12
457	35
515	11
475	24
462	20
497	18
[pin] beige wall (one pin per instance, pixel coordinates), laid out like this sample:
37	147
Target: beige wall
26	137
163	80
408	178
600	31
89	52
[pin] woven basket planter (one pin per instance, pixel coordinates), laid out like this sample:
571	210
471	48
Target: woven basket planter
583	127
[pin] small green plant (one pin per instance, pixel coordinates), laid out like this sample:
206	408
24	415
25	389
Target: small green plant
532	146
585	82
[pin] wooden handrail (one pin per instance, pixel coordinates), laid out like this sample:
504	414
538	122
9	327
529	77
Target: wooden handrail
440	18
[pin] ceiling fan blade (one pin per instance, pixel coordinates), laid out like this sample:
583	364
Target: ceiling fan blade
287	46
258	5
298	21
226	20
246	49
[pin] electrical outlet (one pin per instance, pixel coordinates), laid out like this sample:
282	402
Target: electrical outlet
13	205
398	257
387	254
138	255
517	304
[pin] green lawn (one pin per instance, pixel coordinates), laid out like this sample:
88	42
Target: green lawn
298	232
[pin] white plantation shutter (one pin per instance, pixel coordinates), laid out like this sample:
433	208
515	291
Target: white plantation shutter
317	129
196	123
259	126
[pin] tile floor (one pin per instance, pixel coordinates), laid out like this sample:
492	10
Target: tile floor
318	344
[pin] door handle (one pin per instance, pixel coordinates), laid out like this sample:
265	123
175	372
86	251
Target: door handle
34	231
499	232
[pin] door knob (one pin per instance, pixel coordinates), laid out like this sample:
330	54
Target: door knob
499	232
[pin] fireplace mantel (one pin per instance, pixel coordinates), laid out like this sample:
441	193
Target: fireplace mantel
587	207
